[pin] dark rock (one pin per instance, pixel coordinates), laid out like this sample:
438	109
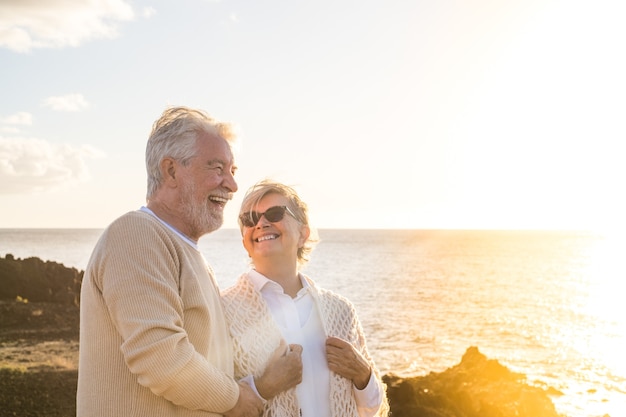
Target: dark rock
476	387
35	280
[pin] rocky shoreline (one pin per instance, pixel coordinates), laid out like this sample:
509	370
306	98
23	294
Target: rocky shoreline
39	357
477	386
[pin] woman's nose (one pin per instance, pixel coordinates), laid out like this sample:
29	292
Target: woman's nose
263	222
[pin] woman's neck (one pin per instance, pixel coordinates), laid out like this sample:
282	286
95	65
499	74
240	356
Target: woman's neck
283	273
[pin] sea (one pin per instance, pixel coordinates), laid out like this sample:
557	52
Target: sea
548	304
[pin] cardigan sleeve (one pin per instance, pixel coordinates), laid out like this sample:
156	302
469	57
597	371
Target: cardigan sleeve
341	320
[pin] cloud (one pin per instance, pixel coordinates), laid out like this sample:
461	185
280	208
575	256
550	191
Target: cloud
20	118
35	165
68	102
9	129
30	24
148	12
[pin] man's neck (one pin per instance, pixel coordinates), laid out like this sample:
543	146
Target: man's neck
166	216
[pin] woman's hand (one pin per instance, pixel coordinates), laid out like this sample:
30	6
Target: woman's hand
283	371
348	362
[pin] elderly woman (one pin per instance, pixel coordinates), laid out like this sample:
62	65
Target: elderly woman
275	303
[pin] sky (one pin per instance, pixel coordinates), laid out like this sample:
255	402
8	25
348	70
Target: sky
422	114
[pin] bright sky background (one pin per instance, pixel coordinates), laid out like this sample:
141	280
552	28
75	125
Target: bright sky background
383	114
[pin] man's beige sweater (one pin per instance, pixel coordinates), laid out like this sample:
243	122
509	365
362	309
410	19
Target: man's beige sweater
153	339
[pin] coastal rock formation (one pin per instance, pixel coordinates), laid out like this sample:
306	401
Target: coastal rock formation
476	387
39	281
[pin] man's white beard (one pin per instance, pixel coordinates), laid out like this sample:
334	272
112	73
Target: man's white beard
199	216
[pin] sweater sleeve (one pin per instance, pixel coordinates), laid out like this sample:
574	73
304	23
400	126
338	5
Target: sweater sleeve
142	279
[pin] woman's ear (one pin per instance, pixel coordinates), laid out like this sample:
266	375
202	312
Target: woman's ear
305	232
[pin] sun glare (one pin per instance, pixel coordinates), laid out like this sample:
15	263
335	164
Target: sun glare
606	271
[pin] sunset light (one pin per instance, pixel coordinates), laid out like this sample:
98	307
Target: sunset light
462	162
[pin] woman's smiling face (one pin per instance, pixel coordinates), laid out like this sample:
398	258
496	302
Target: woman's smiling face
280	239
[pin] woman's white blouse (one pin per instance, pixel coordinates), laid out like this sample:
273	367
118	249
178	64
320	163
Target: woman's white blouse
299	322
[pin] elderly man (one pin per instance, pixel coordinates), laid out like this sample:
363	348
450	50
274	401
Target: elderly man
153	339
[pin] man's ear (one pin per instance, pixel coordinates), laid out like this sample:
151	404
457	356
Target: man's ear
168	170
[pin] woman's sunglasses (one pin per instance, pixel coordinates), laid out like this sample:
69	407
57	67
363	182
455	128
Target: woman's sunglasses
272	214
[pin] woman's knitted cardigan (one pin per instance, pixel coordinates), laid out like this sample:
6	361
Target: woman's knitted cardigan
256	336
